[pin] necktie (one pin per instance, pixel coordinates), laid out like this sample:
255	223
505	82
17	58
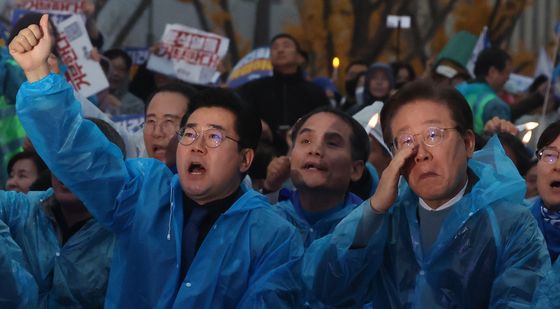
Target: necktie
190	237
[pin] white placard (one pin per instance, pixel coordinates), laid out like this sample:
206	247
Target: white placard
56	6
189	54
74	48
394	20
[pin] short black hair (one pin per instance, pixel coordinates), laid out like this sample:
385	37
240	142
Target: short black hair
175	87
356	62
427	90
119	53
110	133
33	156
290	37
490	57
359	140
247	124
522	160
549	135
396	66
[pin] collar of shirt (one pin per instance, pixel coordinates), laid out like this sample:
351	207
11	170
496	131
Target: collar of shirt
447	204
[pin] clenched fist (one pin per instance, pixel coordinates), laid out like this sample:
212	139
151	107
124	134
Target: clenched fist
31	48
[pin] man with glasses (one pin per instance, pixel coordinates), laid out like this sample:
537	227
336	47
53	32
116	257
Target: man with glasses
164	111
457	237
197	239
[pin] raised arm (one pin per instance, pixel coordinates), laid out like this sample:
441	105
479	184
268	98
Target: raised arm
73	148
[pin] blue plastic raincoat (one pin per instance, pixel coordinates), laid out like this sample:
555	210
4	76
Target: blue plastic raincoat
489	252
291	211
71	275
17	286
248	259
547	295
551	233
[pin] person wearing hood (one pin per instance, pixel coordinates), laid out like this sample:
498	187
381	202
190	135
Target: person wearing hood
546	209
457	237
194	239
281	99
379	84
329	152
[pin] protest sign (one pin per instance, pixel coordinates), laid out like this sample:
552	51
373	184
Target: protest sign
139	56
189	54
74	48
68	7
55	17
517	83
255	64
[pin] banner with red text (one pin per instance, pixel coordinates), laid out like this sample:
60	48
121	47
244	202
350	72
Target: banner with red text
74	48
189	54
68	7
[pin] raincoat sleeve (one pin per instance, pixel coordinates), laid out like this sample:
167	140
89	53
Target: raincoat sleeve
276	281
522	264
75	150
18	288
339	268
547	294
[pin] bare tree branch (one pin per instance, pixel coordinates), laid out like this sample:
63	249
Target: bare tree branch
230	33
199	8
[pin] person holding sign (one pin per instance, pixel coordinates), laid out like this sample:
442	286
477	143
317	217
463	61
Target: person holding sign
457	237
196	239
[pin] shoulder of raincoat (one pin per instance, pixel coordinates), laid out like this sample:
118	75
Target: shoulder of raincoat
17	286
489	252
248	259
73	274
291	210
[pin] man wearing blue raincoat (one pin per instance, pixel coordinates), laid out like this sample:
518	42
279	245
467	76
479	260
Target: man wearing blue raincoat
196	239
329	152
17	287
67	252
457	238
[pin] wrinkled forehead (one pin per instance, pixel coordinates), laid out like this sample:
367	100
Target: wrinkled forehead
326	123
420	112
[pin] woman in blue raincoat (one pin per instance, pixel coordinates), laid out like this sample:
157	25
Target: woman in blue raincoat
458	237
546	209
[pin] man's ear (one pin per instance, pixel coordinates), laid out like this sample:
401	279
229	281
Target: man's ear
247	156
470	141
357	170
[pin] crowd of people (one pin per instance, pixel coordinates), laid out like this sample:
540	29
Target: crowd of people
404	190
